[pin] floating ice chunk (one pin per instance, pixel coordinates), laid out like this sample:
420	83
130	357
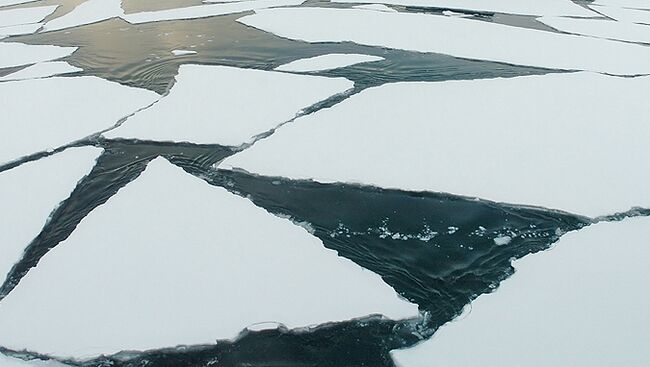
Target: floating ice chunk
562	307
376	7
502	240
30	192
67	109
524	7
202	11
327	62
90	11
42	70
603	28
183	52
6	361
182	265
460	37
519	140
242	103
25	15
636	4
624	14
16	30
17	54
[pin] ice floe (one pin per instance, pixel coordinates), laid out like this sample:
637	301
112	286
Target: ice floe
14	2
460	37
524	7
202	11
6	361
42	70
183	52
580	304
30	192
603	28
41	114
240	104
327	62
17	54
376	7
25	15
16	30
635	4
184	263
562	141
624	14
90	11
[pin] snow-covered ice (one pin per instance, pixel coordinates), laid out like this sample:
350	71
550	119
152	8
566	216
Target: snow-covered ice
6	361
376	7
90	11
42	70
583	303
25	15
625	14
17	54
41	114
227	106
524	7
14	2
634	4
603	28
183	52
183	263
460	37
30	192
327	62
16	30
562	141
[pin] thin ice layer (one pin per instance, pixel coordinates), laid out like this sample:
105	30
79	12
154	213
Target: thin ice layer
172	260
6	361
603	28
17	54
90	11
466	38
68	109
25	15
202	11
519	140
634	4
523	7
583	303
30	192
238	104
625	14
327	62
42	70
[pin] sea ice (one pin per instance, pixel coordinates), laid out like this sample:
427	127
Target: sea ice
327	62
15	2
460	37
16	30
90	11
17	54
42	70
172	260
580	304
6	361
562	141
603	28
25	15
239	104
183	52
376	7
41	114
625	14
30	192
635	4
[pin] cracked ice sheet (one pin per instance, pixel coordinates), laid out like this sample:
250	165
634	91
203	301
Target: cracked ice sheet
562	141
17	54
42	70
603	28
581	304
68	109
21	16
202	11
88	12
327	62
6	361
224	115
30	192
21	29
625	15
15	2
523	7
635	4
185	268
466	38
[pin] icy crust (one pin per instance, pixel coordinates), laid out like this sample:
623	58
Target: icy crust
240	104
42	70
580	304
90	11
6	361
21	16
603	28
327	62
172	260
523	7
519	140
455	36
624	14
634	4
68	109
202	11
16	30
30	192
17	54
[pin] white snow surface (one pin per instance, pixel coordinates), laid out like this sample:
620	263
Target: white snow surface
68	109
460	37
376	7
42	70
523	7
6	361
327	62
602	28
625	14
203	11
580	304
16	30
185	268
561	141
635	4
183	52
241	104
21	16
30	192
17	54
88	12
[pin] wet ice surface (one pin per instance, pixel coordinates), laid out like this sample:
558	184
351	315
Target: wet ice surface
439	251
